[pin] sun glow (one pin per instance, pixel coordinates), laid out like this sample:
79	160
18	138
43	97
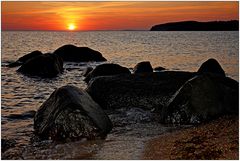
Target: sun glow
71	27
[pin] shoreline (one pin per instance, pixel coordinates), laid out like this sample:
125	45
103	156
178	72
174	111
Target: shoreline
217	139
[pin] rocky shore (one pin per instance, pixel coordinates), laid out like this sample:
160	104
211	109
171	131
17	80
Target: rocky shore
202	99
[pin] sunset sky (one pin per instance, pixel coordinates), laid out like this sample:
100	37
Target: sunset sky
109	15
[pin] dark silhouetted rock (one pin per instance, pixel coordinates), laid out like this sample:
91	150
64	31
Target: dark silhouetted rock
159	68
71	53
71	113
211	66
107	70
147	91
143	67
45	65
202	98
25	115
198	26
6	144
25	58
86	71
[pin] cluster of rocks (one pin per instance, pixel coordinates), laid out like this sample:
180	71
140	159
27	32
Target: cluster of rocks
51	64
176	96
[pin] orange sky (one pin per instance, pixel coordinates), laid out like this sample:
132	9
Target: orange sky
109	15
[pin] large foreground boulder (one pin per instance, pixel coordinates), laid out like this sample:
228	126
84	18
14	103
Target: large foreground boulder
211	66
71	53
106	70
143	67
201	99
25	58
148	91
45	65
70	113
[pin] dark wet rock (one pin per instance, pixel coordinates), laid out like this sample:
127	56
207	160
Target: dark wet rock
86	71
25	58
107	70
45	65
159	68
143	67
71	53
148	91
6	144
202	98
211	66
22	116
71	113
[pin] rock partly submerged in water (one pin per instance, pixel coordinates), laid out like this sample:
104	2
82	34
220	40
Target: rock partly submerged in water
159	68
45	65
25	58
202	98
70	113
211	66
72	53
22	116
107	70
143	67
86	71
148	91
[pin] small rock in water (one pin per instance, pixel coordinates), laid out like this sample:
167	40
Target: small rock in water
143	67
159	68
25	115
211	66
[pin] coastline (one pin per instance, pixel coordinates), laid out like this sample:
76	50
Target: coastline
215	140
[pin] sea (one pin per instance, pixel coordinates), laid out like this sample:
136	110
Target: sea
175	50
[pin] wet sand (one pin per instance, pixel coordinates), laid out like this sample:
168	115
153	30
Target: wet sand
218	139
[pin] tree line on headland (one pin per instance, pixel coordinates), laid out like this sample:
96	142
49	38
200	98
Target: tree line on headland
232	25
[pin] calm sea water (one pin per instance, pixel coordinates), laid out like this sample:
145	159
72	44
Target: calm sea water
172	50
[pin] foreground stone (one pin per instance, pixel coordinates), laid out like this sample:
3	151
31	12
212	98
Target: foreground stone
71	53
106	70
211	66
148	91
71	113
45	65
25	58
143	67
201	99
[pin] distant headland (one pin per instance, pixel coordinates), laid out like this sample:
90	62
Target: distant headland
232	25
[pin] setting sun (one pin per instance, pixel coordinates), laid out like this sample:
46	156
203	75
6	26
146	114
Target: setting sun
71	27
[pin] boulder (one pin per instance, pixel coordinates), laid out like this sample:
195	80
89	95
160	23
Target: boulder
45	65
107	70
25	58
86	71
143	67
202	98
211	66
147	91
70	113
159	68
71	53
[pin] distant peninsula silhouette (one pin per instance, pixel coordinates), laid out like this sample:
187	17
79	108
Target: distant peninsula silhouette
232	25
